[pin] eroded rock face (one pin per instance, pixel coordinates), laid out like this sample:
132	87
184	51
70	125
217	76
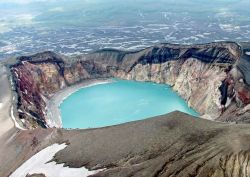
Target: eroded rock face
37	80
30	101
196	72
198	86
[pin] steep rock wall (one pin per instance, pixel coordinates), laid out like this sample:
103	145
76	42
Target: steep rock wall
196	72
39	77
198	86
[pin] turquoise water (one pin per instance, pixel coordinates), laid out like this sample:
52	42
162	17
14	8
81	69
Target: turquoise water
119	102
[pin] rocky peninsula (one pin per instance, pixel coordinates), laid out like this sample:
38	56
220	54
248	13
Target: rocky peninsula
213	78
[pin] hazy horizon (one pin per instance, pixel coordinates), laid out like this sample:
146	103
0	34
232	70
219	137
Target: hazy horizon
72	27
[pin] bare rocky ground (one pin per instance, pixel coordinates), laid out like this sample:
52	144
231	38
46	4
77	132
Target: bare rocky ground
175	145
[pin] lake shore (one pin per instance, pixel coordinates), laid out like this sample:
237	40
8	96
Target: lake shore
52	109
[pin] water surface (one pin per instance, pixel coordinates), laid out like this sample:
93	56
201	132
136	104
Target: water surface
119	102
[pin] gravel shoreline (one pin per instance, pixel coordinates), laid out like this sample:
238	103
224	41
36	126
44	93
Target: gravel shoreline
52	109
6	123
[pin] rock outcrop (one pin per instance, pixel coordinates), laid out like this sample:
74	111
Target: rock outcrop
36	175
196	72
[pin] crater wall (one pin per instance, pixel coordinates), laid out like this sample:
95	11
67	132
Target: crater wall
203	75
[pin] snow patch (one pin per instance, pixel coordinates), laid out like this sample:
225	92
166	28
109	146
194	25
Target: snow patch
19	110
38	164
229	27
57	9
8	48
14	119
200	35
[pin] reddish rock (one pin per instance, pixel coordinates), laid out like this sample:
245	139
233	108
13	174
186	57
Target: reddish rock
244	95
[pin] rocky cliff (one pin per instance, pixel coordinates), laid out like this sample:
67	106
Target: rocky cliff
207	76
